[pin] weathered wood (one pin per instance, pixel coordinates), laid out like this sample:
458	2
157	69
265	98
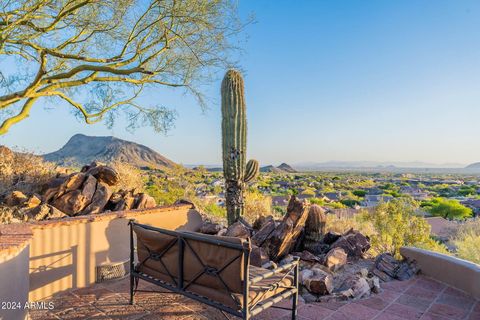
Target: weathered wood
283	238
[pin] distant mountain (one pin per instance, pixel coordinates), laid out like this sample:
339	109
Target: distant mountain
287	168
82	149
373	164
283	168
475	165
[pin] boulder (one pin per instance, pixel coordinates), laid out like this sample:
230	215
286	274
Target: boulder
238	230
15	198
73	182
209	227
71	203
330	237
258	257
261	221
144	201
335	259
307	256
317	281
32	202
99	200
354	243
104	174
281	241
89	187
387	268
37	213
264	233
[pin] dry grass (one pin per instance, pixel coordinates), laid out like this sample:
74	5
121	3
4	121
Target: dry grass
25	172
467	241
130	177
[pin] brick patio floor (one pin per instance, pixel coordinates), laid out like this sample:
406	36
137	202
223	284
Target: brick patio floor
419	298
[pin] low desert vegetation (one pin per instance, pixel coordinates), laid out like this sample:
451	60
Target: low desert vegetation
467	241
23	171
390	226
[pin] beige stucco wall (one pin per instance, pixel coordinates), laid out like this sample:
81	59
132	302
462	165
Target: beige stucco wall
458	273
14	284
63	255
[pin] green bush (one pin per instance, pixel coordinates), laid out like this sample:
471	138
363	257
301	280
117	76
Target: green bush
447	208
359	193
390	226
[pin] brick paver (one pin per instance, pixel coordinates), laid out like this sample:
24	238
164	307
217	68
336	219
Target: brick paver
419	298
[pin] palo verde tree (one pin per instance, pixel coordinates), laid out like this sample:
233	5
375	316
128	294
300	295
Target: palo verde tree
98	56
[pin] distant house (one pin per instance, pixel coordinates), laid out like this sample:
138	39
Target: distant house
280	201
473	204
374	200
304	196
374	191
415	193
333	196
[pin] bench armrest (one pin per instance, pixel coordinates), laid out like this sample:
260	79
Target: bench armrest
287	267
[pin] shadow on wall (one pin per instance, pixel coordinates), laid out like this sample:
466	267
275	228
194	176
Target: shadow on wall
65	256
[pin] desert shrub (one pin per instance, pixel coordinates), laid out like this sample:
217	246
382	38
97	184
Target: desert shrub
390	226
467	241
24	172
171	185
343	224
131	177
257	204
211	208
447	208
396	225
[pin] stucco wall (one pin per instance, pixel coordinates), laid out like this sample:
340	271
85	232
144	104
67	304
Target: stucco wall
458	273
64	253
14	285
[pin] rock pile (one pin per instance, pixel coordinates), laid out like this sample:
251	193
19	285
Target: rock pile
81	193
333	266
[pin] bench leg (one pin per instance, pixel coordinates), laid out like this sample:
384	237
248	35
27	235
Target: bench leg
132	285
294	305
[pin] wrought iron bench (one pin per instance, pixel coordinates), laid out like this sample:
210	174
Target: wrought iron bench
210	269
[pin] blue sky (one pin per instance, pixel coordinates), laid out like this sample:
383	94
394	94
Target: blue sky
327	80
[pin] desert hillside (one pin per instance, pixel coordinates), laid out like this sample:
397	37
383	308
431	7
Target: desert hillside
82	149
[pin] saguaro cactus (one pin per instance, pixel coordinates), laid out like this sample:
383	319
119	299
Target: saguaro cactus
234	144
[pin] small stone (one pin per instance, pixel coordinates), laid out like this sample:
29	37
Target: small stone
374	283
238	230
269	265
363	272
335	259
308	297
360	288
286	260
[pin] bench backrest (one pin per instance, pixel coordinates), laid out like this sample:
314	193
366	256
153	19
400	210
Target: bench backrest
187	259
